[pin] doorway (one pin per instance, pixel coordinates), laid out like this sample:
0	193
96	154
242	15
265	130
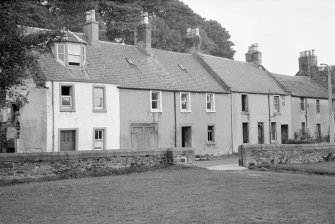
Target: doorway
284	134
68	140
260	133
186	136
144	136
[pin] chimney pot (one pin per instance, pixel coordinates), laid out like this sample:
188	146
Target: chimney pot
197	33
145	18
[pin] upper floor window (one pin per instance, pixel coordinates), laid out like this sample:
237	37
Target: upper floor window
210	102
156	101
185	102
67	97
99	102
276	103
244	100
317	106
302	104
71	54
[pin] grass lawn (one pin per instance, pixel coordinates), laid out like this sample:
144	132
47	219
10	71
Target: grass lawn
326	168
174	195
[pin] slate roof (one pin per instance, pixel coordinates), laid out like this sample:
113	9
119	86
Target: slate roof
243	76
106	63
301	86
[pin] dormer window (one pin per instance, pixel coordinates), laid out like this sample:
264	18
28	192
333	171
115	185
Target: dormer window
71	54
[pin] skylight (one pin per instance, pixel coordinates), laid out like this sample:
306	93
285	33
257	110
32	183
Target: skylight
130	61
182	67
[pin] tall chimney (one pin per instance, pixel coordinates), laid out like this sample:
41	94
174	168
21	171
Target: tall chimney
142	36
307	59
91	28
254	55
193	40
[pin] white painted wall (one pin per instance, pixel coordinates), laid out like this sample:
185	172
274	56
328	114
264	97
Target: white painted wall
84	120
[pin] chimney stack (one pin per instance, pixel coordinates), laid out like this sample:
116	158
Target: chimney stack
253	55
142	36
91	28
307	60
193	40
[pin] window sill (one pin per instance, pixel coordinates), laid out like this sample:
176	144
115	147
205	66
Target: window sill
99	111
185	111
211	111
211	143
245	113
156	111
67	110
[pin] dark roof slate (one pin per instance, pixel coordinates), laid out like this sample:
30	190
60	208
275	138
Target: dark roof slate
301	86
106	63
243	76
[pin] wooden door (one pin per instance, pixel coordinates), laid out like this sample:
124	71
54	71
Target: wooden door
68	140
284	134
144	136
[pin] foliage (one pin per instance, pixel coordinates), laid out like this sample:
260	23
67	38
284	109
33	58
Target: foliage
119	18
304	137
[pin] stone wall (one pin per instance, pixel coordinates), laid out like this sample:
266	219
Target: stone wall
24	167
250	155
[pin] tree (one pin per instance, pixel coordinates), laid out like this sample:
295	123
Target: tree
20	47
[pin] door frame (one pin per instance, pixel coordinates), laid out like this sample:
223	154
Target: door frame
143	125
281	133
181	134
76	133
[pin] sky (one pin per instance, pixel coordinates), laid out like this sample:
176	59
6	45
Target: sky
282	28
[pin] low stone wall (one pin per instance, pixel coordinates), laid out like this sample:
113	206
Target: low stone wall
250	155
23	167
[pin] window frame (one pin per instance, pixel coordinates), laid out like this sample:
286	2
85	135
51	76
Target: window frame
104	107
246	103
212	109
302	104
274	131
318	109
188	102
160	103
213	141
103	129
276	109
72	94
82	49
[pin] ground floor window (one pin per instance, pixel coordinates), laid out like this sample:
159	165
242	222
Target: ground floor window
210	134
99	139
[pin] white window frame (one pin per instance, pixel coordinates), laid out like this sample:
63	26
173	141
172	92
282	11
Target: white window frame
188	103
318	109
103	140
276	110
103	108
160	103
213	134
212	109
247	103
82	49
302	103
71	96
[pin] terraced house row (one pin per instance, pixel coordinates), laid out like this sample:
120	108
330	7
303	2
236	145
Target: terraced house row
100	95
